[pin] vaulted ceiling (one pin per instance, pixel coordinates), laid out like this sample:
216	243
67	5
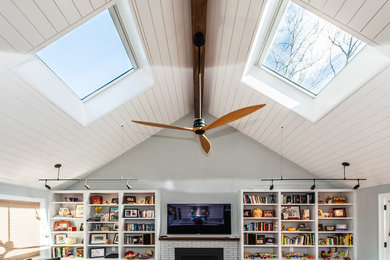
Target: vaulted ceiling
35	134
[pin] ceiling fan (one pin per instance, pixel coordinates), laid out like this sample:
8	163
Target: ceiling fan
199	11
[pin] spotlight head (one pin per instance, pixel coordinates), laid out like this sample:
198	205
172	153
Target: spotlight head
272	185
47	185
314	185
129	186
357	186
86	185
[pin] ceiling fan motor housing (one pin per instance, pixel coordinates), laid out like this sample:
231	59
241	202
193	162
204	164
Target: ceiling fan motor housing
199	122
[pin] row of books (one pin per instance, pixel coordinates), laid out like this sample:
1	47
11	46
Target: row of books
139	227
144	239
149	199
337	240
67	252
303	240
299	199
261	226
256	199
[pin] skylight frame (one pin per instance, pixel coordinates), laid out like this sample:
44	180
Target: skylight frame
126	42
272	25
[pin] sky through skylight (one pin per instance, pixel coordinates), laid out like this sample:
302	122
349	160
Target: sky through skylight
88	58
309	51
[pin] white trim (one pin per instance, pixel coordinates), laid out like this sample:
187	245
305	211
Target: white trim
382	224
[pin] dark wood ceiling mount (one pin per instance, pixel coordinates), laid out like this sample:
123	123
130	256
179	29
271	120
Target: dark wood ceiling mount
199	15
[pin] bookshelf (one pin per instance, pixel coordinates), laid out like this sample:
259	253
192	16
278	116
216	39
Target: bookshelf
297	229
111	223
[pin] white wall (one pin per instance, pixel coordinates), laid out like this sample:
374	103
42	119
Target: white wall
172	161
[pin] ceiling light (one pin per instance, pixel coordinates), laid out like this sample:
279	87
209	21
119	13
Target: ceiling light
357	186
86	185
272	185
47	185
314	185
128	185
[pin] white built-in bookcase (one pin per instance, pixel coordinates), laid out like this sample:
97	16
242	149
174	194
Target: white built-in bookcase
58	200
313	222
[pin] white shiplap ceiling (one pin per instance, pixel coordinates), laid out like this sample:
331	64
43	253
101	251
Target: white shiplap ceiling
35	134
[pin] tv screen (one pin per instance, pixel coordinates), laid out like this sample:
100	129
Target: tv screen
199	219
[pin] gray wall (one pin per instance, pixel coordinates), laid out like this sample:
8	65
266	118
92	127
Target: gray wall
367	221
14	190
172	161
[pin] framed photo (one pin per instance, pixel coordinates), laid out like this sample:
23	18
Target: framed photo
96	199
98	239
260	239
115	227
339	213
82	227
269	213
116	239
320	227
129	200
79	211
61	225
270	240
292	212
114	201
60	238
330	228
97	252
131	213
114	213
247	213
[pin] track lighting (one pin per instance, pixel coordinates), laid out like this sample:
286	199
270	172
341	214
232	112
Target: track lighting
128	185
47	185
314	185
86	185
357	186
272	185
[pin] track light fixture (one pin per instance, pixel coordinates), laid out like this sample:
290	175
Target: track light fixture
357	186
86	185
47	185
272	185
344	164
128	185
314	185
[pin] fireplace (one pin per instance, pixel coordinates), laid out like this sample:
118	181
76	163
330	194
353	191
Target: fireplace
198	253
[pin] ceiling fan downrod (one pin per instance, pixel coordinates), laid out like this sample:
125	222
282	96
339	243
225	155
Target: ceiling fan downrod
199	41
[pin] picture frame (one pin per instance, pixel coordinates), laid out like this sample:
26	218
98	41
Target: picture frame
114	214
114	201
79	211
320	227
115	227
129	200
82	227
339	213
131	213
292	212
330	228
269	213
269	240
260	239
59	239
96	239
97	252
96	199
247	213
116	239
61	225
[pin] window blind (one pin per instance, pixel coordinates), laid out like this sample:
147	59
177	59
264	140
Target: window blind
19	229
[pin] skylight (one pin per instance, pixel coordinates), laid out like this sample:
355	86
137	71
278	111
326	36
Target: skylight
90	57
309	51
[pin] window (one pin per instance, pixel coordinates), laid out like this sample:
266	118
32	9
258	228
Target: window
19	229
308	51
91	56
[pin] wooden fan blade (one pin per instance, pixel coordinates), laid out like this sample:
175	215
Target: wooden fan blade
205	143
164	126
233	116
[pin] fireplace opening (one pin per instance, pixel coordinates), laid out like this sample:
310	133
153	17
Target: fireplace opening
198	253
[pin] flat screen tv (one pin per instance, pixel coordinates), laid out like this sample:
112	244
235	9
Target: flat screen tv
199	219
